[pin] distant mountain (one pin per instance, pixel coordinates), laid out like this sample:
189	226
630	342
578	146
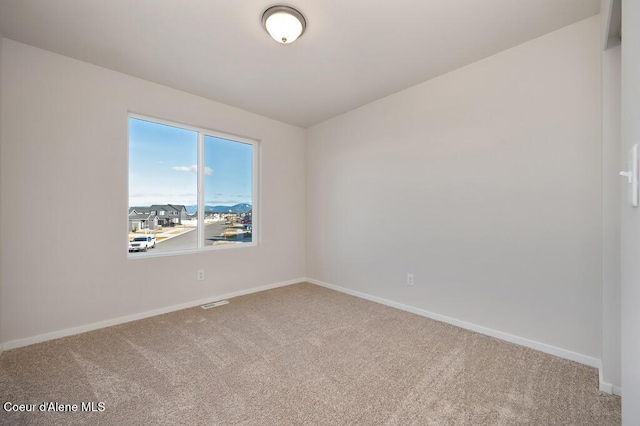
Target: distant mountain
237	209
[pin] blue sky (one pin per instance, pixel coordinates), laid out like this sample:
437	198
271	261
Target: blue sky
163	167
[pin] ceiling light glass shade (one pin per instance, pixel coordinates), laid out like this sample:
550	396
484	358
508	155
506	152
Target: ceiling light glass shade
284	23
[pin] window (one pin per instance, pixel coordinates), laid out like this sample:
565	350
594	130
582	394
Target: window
201	184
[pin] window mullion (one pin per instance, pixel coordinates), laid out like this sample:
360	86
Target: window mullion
201	209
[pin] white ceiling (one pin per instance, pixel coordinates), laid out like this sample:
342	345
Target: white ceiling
353	52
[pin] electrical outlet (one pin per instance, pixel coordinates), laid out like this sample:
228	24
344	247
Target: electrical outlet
200	274
409	279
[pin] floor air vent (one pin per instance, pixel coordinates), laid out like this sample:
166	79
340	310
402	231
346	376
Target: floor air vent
214	304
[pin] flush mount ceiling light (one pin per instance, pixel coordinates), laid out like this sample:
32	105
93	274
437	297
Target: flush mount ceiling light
283	23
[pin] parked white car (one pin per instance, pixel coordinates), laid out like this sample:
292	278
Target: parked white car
142	243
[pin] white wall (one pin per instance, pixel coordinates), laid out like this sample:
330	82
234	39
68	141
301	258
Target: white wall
605	14
1	263
64	170
611	190
485	183
630	218
610	10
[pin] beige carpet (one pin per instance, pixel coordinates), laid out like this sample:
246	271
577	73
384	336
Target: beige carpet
299	355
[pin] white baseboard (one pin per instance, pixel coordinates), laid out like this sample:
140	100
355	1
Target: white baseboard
108	323
542	347
608	387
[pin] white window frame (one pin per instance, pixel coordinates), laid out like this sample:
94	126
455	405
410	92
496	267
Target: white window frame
255	187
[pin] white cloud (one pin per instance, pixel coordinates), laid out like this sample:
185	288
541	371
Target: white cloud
194	168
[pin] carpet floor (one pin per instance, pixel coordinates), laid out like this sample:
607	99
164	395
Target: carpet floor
296	355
